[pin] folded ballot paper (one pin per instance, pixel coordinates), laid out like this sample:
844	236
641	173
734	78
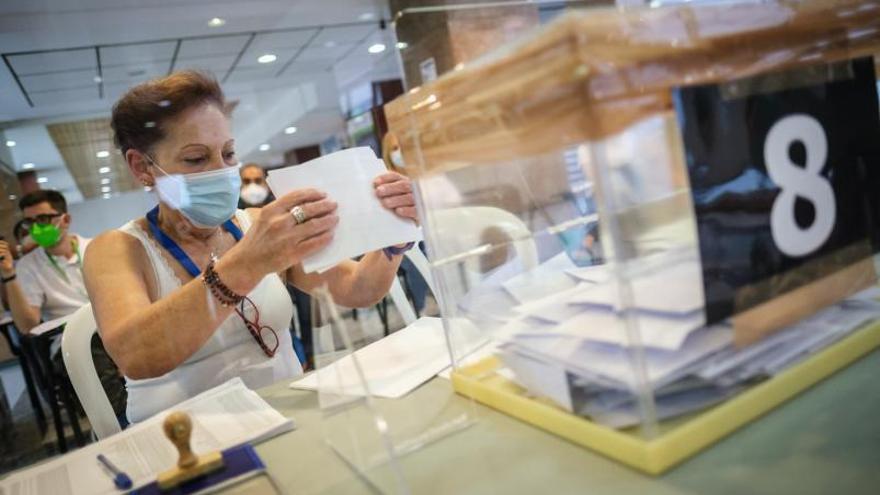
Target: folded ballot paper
223	417
364	224
570	344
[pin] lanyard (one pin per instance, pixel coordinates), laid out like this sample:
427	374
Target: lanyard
175	250
61	272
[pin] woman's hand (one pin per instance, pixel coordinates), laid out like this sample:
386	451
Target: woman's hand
276	241
6	267
395	193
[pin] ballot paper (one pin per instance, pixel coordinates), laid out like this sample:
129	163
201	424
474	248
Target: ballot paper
223	417
595	377
397	364
364	224
673	289
547	278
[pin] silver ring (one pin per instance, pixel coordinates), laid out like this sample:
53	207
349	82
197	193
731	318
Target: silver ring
298	214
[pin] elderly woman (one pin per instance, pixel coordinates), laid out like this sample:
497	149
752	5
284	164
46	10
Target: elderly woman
192	294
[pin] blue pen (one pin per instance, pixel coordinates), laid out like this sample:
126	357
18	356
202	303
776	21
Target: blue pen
120	479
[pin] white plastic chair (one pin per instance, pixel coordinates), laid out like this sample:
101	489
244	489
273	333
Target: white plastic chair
460	230
76	348
398	295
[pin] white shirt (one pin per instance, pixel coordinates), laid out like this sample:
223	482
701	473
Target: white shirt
45	287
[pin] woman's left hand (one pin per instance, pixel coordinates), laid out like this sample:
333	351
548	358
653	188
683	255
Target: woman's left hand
395	193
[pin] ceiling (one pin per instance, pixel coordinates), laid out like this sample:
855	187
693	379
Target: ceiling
66	61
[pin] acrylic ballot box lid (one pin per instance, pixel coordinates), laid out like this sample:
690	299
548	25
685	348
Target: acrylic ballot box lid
593	74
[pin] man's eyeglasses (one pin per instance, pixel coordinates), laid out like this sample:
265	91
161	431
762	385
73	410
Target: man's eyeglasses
43	218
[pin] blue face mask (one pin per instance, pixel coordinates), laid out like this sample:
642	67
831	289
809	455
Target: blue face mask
207	199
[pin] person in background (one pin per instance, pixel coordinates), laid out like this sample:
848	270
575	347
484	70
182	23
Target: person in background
47	283
255	192
193	294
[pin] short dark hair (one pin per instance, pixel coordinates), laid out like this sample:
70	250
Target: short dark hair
140	116
54	198
253	165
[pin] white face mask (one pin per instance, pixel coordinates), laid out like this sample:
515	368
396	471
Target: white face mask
397	159
254	194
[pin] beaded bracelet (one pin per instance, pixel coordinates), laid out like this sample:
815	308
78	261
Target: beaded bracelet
220	291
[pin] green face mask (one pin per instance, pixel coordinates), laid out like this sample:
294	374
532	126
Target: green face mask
45	235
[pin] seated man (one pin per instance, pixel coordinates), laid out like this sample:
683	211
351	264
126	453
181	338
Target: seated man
47	283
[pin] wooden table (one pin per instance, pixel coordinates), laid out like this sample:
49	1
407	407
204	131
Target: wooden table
825	441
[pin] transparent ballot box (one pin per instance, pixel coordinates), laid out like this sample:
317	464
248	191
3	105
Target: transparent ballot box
648	227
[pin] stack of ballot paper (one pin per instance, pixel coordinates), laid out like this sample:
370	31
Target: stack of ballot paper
364	224
223	417
563	337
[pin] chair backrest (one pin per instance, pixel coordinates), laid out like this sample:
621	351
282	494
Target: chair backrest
76	348
398	297
469	229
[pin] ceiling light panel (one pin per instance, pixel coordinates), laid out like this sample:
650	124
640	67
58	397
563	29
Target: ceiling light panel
137	54
65	96
75	79
223	45
37	63
273	42
217	64
346	34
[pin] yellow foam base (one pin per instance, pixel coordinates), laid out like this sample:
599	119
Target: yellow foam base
677	440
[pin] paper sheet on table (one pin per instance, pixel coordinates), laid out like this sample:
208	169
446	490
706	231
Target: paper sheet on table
223	417
364	224
395	365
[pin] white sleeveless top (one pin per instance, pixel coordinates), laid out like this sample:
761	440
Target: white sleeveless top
230	352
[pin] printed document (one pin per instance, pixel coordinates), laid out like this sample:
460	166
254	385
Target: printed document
223	417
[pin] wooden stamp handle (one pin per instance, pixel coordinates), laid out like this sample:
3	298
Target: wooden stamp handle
178	429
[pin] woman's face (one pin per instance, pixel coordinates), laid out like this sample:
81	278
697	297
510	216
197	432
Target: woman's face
198	140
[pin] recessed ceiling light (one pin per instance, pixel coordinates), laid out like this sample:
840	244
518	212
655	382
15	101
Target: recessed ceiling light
104	170
329	44
105	181
102	154
402	45
97	79
105	189
42	180
10	143
27	166
216	22
267	58
107	195
376	48
367	16
289	130
265	147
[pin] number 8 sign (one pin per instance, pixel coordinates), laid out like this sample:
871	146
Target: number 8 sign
795	181
784	171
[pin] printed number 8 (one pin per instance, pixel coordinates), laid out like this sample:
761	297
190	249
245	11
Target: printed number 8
794	182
